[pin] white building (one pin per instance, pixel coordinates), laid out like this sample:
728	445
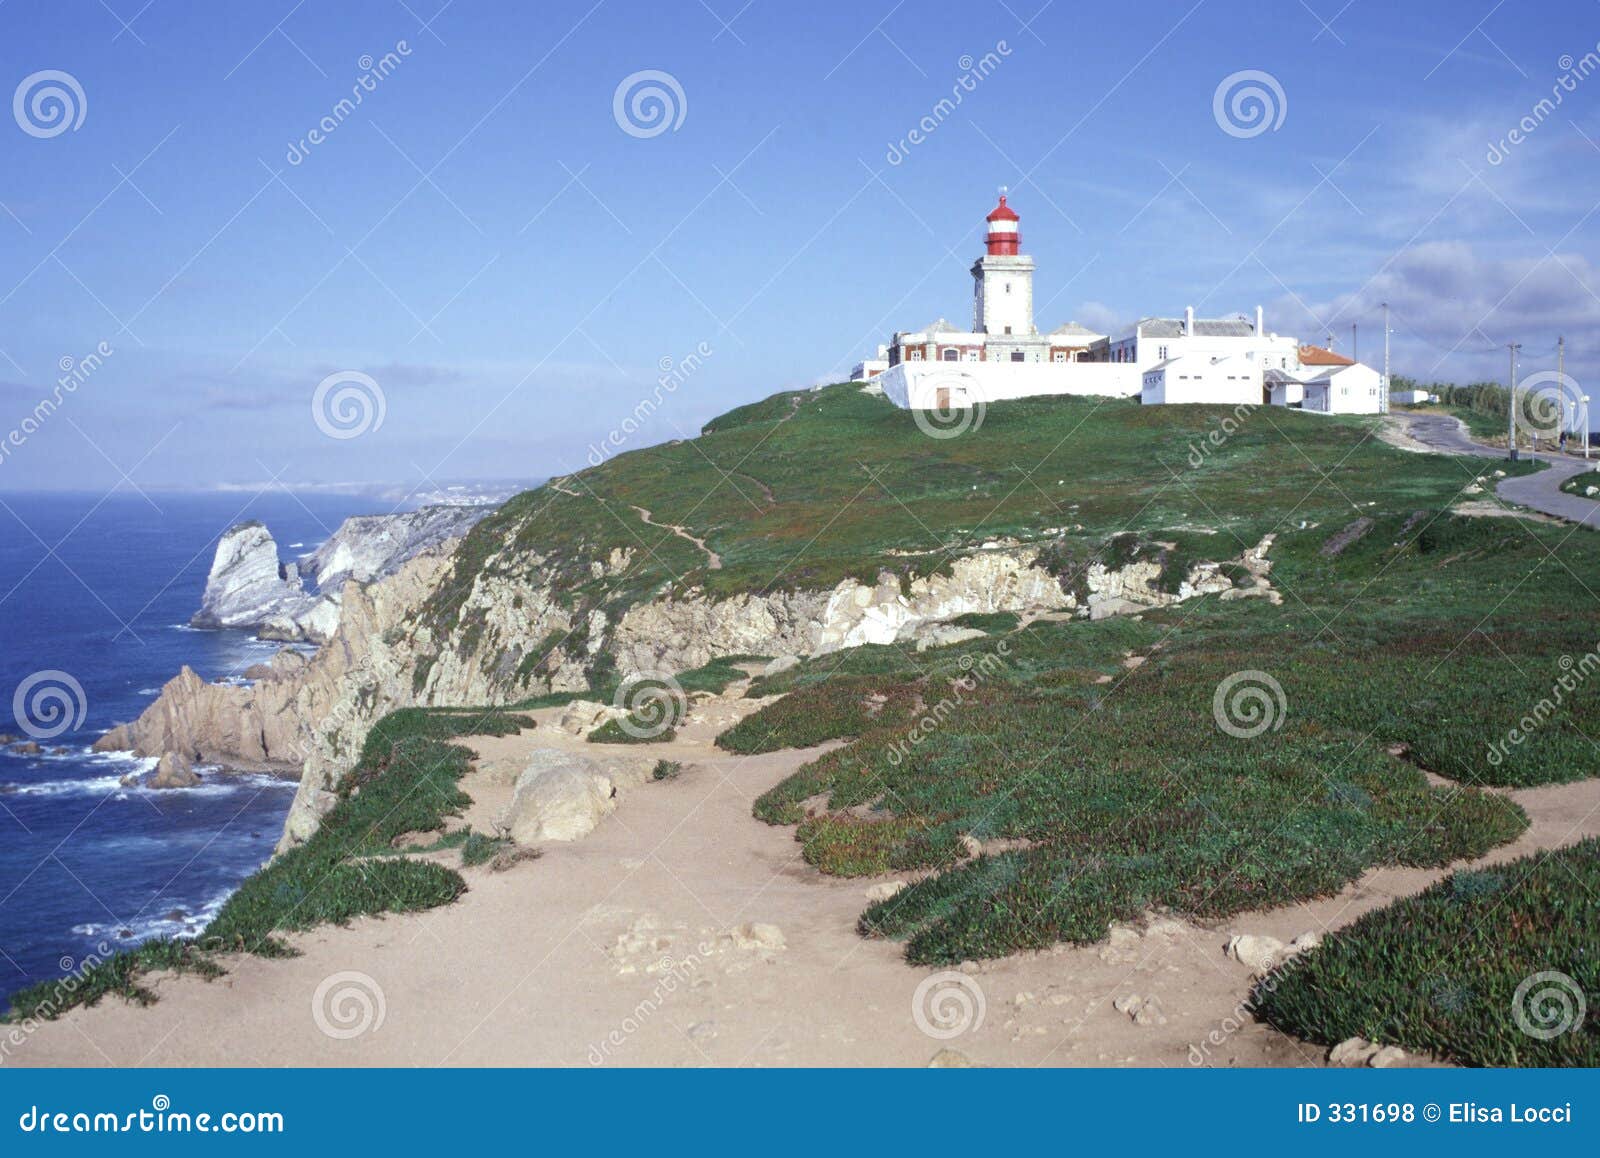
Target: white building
869	368
1324	382
1003	354
1217	379
1154	340
1220	361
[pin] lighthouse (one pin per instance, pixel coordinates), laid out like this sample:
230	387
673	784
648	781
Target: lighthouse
1002	292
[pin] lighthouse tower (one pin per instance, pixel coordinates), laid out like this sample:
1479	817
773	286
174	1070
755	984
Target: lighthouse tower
1002	293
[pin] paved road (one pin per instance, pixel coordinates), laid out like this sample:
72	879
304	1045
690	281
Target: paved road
1539	492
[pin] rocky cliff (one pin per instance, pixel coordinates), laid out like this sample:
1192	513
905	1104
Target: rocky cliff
250	587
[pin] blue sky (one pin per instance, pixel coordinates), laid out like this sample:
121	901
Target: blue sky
484	241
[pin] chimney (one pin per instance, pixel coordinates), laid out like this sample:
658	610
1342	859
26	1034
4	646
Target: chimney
1188	321
1260	328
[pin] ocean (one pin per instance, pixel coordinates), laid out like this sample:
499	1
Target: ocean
96	594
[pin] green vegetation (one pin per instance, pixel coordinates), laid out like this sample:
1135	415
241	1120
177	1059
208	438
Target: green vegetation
1441	971
666	770
1099	791
992	622
804	489
405	782
1579	483
636	730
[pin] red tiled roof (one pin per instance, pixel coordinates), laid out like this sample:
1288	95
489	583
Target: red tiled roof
1317	356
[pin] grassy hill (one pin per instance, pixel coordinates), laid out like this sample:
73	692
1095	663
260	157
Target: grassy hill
803	489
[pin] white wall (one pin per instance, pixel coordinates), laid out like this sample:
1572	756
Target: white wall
1231	382
1350	390
915	386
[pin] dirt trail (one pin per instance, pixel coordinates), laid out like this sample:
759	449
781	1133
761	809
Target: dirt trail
714	560
685	932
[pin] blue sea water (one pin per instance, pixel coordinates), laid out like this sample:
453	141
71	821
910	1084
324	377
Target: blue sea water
96	593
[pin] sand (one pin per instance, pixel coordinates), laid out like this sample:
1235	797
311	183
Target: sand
684	932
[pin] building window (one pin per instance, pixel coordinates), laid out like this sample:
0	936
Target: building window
1008	329
972	355
1059	356
1016	355
1008	287
916	355
950	354
1161	352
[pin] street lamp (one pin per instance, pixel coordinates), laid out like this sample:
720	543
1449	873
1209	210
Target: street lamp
1585	401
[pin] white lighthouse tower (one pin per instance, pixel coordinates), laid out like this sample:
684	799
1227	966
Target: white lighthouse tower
1002	293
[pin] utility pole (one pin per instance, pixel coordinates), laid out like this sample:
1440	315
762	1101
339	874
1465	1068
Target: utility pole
1511	402
1561	384
1355	341
1383	397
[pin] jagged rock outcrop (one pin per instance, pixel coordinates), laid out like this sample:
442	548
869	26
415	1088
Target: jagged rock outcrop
250	587
367	547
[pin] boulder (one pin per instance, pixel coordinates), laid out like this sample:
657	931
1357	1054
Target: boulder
1258	953
584	716
26	748
558	800
174	770
1355	1052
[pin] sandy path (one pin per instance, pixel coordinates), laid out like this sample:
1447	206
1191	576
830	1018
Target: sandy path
557	961
714	560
